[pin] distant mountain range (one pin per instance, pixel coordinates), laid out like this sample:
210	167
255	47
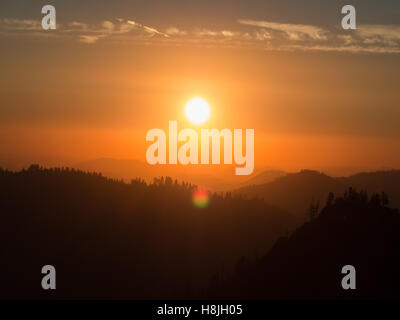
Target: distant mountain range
217	178
290	191
295	191
266	176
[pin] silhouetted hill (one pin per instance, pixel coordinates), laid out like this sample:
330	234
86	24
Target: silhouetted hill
387	181
351	230
217	178
108	238
266	176
295	191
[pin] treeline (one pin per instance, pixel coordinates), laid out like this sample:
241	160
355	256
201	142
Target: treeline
110	239
354	229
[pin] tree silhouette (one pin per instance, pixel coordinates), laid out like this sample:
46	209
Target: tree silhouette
349	229
135	240
141	240
313	209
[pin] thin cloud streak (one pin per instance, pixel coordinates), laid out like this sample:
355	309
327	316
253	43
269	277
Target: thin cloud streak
20	24
379	30
292	31
265	35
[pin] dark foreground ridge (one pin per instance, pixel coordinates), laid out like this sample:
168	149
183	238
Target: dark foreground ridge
109	239
351	230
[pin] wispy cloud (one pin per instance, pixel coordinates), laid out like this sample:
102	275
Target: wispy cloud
380	35
258	34
117	28
389	32
292	31
173	31
108	26
220	35
89	39
77	26
343	48
20	24
84	32
366	39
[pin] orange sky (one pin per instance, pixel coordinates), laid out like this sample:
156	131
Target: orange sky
66	102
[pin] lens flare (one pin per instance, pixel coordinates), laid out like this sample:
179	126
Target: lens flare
201	198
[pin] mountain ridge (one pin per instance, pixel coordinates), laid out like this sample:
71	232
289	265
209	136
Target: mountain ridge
295	191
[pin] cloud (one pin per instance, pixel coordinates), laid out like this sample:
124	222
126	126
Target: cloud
108	29
135	25
221	34
89	39
388	32
366	39
346	39
380	35
172	31
20	24
264	35
84	32
227	33
108	26
206	32
77	26
153	31
344	48
292	31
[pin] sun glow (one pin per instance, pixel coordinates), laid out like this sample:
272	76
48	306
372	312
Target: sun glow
197	111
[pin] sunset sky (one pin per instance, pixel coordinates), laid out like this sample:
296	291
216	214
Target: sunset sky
317	96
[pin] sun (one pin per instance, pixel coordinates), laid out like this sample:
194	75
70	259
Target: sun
197	110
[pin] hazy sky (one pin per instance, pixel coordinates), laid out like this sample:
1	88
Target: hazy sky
317	96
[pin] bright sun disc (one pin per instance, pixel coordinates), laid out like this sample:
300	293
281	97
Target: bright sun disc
197	110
